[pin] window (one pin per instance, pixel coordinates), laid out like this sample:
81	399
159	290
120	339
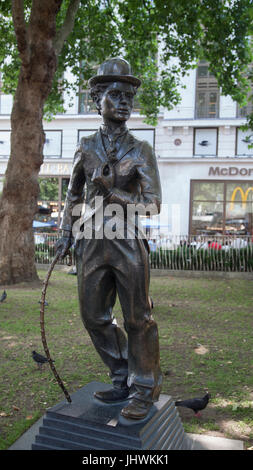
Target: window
86	105
5	142
207	93
5	101
145	134
245	110
243	140
53	144
85	133
205	142
221	208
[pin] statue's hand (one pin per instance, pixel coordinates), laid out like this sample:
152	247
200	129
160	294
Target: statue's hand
62	246
104	178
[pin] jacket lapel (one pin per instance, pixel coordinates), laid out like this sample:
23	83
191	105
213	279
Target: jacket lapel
99	146
128	144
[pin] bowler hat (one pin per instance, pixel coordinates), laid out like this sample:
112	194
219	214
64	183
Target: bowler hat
116	69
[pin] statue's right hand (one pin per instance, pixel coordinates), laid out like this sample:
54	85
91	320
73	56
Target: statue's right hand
62	246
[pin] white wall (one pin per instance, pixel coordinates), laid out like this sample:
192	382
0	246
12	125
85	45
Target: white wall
168	138
227	107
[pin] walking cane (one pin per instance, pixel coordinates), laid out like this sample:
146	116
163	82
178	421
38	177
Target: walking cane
42	325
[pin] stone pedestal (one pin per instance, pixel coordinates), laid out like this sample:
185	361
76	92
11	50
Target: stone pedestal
89	424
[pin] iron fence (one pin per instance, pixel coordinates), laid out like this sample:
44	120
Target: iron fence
44	248
205	253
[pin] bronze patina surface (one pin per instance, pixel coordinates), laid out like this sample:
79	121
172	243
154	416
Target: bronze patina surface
112	164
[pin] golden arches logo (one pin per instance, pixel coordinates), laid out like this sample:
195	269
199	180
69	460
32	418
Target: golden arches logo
244	196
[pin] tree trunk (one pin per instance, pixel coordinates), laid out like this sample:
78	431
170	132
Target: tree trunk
19	198
18	204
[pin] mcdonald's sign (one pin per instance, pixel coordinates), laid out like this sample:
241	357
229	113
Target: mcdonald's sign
244	196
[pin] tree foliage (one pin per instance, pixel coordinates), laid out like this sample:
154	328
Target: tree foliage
48	189
41	39
181	31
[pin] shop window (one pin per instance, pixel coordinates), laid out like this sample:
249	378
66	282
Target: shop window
48	203
205	142
207	218
243	140
239	192
208	191
239	207
207	93
221	208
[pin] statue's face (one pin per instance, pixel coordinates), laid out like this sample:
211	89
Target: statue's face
117	101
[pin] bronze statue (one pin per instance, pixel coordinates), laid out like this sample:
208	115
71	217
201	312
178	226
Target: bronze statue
113	164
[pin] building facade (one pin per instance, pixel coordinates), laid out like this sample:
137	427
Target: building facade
206	167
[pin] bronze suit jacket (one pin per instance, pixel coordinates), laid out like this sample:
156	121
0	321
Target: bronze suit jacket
136	175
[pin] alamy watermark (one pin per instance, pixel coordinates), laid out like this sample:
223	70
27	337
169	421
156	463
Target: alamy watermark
113	221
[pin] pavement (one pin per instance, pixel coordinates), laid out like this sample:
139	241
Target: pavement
200	442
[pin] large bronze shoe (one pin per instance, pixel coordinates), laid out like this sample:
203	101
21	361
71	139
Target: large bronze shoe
136	409
112	395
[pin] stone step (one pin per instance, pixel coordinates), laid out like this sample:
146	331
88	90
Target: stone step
88	423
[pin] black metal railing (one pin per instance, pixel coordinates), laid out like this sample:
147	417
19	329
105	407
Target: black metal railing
205	253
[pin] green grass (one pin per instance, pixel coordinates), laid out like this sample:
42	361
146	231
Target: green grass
194	315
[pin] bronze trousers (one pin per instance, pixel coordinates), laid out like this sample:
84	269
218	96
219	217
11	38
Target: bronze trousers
106	268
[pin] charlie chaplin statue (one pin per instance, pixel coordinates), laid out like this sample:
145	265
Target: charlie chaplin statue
113	164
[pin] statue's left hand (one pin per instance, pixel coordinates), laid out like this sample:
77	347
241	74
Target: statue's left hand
62	246
103	177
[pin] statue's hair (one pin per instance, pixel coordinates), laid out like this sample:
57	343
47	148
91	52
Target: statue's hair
97	91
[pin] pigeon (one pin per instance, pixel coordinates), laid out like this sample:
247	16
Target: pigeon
45	303
195	404
39	359
3	296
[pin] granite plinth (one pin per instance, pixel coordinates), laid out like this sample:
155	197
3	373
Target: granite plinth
90	424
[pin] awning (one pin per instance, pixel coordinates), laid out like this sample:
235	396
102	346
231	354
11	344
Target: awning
38	224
